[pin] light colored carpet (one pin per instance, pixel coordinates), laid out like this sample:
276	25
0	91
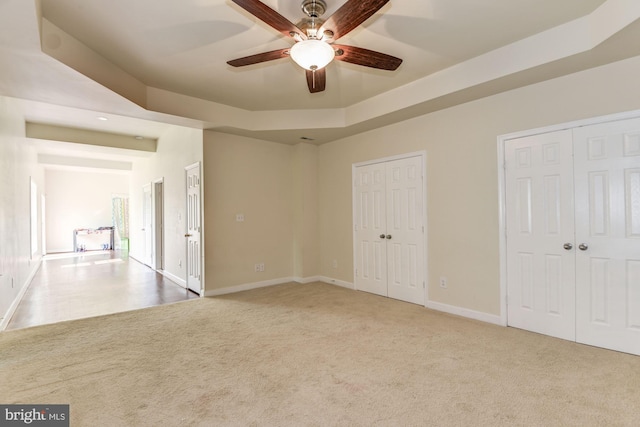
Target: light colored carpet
312	355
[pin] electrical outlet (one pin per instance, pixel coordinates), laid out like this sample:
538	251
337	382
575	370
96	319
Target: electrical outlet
334	264
443	282
239	217
259	268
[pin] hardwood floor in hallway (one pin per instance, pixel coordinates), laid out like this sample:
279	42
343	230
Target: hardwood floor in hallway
87	284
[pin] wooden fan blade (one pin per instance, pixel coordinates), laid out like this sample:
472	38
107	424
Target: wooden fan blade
317	80
260	57
366	57
350	15
271	17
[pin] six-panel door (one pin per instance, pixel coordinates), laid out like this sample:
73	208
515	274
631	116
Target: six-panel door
540	235
573	234
389	229
194	228
607	197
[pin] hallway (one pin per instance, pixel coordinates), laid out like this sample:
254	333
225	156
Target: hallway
77	285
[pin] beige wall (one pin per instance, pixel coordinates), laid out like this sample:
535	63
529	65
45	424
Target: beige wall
305	211
296	200
256	178
462	175
18	165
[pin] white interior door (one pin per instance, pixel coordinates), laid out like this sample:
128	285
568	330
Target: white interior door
540	268
194	227
371	229
147	228
573	234
405	230
389	229
607	180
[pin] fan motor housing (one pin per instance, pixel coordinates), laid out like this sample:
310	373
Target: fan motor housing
314	8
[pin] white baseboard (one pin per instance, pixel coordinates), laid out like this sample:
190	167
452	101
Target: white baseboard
458	311
465	312
337	282
451	309
248	287
273	282
177	280
4	322
55	251
170	276
305	280
137	260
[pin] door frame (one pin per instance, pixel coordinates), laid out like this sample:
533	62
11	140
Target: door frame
147	239
502	207
423	163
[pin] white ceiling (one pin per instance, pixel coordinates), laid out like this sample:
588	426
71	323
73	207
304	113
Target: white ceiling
164	61
183	45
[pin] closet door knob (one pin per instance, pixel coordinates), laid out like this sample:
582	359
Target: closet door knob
388	236
382	236
583	246
568	246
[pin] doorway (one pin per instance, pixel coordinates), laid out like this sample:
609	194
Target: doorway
153	224
120	215
389	232
158	224
147	225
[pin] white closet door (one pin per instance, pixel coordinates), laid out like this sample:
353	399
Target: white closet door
389	232
607	181
540	268
404	230
371	225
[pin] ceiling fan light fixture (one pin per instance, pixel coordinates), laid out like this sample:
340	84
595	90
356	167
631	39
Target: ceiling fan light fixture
312	54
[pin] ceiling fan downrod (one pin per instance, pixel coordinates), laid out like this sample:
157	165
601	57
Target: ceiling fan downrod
314	9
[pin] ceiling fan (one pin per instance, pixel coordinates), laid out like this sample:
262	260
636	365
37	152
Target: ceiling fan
314	38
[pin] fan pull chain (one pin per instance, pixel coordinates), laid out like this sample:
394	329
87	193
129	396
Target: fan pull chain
313	76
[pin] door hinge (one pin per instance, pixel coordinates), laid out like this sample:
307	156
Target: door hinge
355	227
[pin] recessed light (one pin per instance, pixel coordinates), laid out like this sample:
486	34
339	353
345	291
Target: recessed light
104	119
